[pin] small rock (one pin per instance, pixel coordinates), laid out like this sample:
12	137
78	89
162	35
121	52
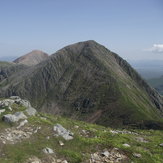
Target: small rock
31	111
48	150
61	143
2	110
126	145
105	153
33	160
10	108
43	118
15	98
22	123
161	145
113	132
65	161
76	126
61	131
141	139
138	155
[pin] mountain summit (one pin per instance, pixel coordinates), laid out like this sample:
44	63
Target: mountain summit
86	81
32	58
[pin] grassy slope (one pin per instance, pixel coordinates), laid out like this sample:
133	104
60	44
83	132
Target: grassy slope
79	149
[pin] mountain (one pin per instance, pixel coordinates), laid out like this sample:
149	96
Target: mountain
157	83
86	81
32	58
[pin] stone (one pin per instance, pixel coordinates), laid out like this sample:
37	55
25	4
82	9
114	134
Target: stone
33	160
11	118
161	145
31	111
141	139
61	143
15	98
126	145
22	123
25	103
2	110
76	127
105	153
64	161
48	150
138	155
61	131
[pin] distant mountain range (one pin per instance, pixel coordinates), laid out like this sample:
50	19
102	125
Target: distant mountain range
84	81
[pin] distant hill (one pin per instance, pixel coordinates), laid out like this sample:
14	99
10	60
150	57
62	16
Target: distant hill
32	58
86	81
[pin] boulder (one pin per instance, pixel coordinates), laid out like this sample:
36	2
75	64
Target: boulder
11	118
61	131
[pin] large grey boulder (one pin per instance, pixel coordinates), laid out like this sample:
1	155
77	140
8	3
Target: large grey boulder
61	131
11	118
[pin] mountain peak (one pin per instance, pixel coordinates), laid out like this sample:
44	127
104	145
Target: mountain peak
32	58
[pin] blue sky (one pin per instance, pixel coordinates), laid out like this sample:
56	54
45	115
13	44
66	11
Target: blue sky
131	28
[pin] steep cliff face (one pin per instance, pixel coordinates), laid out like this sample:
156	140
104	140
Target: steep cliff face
88	82
32	58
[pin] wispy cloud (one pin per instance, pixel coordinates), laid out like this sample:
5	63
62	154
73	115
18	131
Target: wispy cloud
157	48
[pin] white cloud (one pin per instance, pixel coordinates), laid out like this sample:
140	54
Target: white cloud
157	48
